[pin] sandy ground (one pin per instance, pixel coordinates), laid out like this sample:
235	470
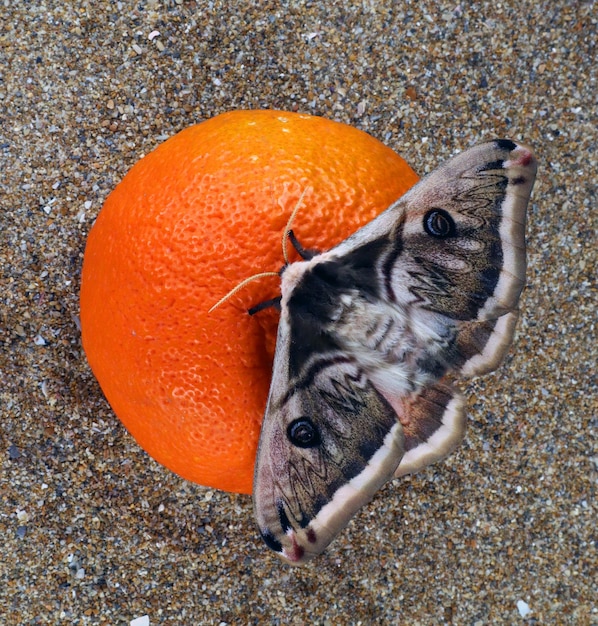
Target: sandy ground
96	532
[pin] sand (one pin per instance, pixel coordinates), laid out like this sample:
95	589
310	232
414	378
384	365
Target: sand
94	531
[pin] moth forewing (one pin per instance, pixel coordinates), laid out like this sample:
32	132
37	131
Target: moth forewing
306	490
371	333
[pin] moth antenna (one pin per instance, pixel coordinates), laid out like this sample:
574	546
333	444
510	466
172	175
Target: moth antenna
287	230
240	286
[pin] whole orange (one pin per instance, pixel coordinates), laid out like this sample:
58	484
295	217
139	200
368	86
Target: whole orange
193	218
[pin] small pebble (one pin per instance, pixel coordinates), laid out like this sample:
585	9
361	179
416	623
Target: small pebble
523	608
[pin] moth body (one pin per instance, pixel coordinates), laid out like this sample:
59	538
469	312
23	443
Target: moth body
372	332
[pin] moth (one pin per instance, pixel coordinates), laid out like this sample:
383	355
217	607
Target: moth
372	334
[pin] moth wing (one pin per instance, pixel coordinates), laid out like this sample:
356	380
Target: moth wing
433	425
486	191
304	495
473	276
481	346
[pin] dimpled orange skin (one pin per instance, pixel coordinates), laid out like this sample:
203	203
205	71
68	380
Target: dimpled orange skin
192	219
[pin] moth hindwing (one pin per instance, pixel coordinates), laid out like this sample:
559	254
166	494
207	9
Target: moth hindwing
372	331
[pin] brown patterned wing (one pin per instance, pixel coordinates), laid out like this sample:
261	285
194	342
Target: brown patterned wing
329	441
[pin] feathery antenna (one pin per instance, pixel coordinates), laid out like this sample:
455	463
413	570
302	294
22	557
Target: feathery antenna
285	236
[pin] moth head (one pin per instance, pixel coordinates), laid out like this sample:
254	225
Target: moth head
304	253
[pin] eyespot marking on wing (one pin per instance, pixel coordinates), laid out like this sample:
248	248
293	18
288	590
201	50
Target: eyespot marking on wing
439	223
303	433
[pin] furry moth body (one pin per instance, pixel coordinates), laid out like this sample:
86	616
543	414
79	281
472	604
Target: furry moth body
370	334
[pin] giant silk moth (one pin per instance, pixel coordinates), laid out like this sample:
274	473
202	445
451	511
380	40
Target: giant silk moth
371	334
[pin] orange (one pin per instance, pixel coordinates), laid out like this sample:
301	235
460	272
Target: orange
193	218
